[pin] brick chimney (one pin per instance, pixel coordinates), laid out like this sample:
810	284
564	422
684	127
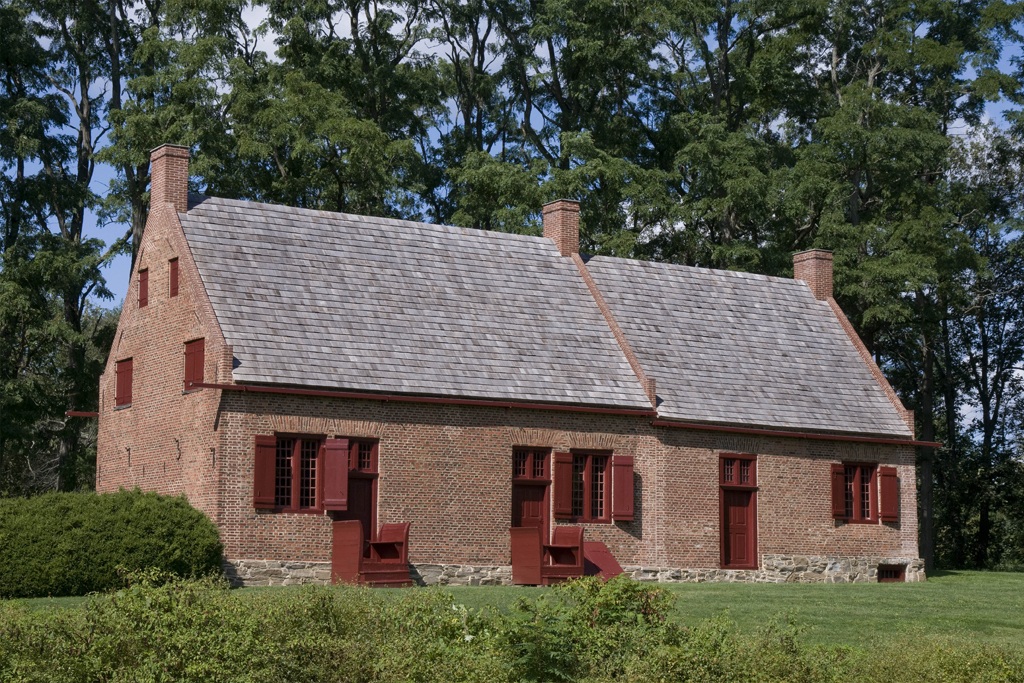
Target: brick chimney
169	173
562	225
814	267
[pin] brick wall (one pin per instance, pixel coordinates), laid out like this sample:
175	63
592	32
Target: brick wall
447	469
166	440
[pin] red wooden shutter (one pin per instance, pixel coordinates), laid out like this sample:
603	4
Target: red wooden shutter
143	288
335	469
563	485
889	483
263	472
190	353
195	359
173	263
622	488
839	491
123	382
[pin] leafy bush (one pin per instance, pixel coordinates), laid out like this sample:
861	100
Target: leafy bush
587	632
75	543
586	628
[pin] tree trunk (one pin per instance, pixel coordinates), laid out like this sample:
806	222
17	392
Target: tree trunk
926	455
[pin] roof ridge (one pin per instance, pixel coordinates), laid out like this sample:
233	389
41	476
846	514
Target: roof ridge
702	269
379	220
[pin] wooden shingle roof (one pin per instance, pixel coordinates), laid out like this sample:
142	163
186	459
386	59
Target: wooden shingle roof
317	299
328	300
737	348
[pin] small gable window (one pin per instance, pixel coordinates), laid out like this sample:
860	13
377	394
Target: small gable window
173	277
123	383
143	288
195	359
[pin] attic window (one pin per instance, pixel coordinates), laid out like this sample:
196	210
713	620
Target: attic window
143	288
173	277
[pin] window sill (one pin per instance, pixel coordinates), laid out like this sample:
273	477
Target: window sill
191	391
856	521
126	406
292	511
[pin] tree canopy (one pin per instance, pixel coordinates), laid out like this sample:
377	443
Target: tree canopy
723	134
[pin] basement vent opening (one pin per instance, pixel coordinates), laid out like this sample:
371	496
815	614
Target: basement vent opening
891	573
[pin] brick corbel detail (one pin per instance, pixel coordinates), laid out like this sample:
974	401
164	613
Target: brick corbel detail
906	415
648	383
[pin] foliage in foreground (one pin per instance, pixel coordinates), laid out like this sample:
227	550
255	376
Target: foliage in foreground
584	631
77	543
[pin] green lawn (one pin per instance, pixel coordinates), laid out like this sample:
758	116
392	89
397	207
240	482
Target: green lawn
982	607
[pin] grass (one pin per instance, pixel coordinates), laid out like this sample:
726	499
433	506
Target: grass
982	607
986	608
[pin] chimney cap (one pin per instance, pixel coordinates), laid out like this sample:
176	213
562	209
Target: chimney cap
569	204
813	253
168	148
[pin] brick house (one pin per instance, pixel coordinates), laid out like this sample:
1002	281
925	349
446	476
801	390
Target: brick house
286	367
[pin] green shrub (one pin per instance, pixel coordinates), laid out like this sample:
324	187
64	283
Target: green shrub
586	632
586	629
75	543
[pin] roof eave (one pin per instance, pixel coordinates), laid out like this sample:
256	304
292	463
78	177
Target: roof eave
417	398
796	434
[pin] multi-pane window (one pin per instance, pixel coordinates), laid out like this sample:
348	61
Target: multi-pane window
530	463
300	473
859	492
590	486
738	470
364	460
307	482
296	467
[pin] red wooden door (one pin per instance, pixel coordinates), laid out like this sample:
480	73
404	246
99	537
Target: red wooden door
529	507
739	545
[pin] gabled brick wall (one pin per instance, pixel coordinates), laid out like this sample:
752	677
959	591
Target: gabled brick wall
167	440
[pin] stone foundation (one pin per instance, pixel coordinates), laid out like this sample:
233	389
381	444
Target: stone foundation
276	573
789	569
461	575
774	569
